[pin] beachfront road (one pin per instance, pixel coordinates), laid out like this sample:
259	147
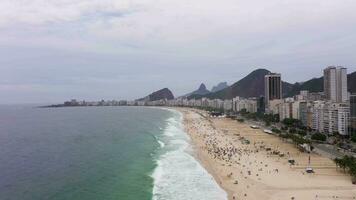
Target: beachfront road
329	151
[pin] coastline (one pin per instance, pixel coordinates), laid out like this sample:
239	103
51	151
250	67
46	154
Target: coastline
248	171
178	173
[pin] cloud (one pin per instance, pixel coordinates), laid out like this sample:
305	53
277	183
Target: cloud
105	43
169	26
39	12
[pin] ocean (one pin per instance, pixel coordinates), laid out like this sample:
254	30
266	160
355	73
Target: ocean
99	153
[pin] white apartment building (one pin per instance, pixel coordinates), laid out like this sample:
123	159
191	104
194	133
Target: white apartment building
227	104
289	109
239	103
317	110
328	117
274	106
216	103
343	119
205	102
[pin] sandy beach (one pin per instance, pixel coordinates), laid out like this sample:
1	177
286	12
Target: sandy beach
250	164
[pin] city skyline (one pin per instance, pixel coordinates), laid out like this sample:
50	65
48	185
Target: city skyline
96	99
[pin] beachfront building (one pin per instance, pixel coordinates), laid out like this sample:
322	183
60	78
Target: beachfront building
285	111
335	84
352	114
343	119
274	106
122	103
330	118
235	104
273	90
205	102
295	110
250	105
175	102
216	104
193	103
227	105
305	113
140	103
317	110
261	104
131	103
289	109
336	118
161	102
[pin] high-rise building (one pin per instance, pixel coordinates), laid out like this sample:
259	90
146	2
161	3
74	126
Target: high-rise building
261	104
330	118
273	89
353	114
343	118
335	84
303	110
250	105
306	113
317	111
273	86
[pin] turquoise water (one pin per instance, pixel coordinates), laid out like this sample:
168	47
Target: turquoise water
78	153
101	153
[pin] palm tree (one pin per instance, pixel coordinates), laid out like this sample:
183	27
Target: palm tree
349	161
337	162
342	164
352	171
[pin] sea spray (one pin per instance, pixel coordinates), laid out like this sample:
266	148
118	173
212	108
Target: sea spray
178	175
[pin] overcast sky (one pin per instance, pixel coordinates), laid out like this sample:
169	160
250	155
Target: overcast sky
54	50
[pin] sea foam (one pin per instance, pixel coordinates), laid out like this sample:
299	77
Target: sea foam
178	176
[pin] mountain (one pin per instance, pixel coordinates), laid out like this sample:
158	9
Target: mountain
312	85
200	91
220	86
251	85
164	93
317	85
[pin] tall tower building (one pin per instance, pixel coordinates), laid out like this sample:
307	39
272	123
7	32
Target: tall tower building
273	86
273	89
335	84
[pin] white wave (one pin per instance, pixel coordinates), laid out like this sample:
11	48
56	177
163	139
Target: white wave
178	176
161	143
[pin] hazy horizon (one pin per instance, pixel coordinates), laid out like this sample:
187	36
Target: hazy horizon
103	49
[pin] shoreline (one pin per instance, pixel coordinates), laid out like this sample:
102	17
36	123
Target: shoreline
248	171
178	173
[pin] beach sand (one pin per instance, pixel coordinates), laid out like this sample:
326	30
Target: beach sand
241	161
